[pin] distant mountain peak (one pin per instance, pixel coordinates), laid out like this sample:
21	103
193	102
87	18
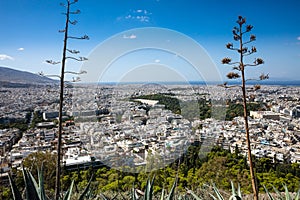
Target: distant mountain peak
8	75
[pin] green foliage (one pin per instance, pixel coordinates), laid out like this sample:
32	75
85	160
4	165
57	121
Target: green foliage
236	109
192	171
200	109
127	182
37	118
203	108
6	193
21	125
170	103
48	161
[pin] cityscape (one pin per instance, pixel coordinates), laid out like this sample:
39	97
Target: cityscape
111	124
149	99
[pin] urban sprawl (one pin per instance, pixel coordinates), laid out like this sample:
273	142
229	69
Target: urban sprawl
113	125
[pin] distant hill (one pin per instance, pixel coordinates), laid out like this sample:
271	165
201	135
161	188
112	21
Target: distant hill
12	77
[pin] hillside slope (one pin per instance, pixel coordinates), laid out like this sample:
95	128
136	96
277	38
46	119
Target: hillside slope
12	76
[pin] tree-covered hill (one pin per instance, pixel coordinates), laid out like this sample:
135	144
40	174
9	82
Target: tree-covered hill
193	170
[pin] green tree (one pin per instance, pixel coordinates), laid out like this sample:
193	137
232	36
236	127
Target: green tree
170	103
36	118
35	161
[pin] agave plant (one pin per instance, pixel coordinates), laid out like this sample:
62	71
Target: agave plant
236	194
280	196
35	190
149	195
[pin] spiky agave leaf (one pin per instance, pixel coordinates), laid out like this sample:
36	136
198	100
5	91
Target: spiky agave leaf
239	191
86	188
69	192
216	190
212	196
149	189
41	188
194	195
172	192
235	197
162	196
297	195
103	197
278	193
287	194
30	185
122	196
184	197
36	185
15	192
91	194
133	194
268	193
232	189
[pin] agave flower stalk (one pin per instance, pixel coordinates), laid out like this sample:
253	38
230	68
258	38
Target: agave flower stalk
239	72
65	56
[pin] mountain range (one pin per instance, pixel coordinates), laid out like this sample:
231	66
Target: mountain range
12	77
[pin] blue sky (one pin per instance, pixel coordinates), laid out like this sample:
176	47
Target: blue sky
29	33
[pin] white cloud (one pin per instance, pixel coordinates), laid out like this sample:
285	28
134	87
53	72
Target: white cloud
143	18
132	36
21	49
128	17
137	15
157	61
5	57
298	40
140	11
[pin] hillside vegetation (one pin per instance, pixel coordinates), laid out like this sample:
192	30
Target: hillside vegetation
193	170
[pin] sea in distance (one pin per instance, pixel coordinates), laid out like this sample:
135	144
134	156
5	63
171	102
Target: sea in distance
295	83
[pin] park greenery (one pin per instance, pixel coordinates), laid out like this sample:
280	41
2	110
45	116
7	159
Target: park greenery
21	124
193	171
170	102
203	108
